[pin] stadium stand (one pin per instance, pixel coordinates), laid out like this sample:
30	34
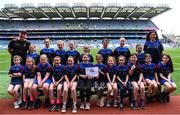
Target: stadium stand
79	21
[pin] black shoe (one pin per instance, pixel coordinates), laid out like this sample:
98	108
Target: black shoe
31	105
136	107
131	105
143	105
37	104
57	107
121	106
167	98
51	108
46	104
24	105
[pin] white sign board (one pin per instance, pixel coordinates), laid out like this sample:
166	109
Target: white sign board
92	71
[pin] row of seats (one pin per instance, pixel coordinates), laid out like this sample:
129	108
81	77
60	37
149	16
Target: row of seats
77	24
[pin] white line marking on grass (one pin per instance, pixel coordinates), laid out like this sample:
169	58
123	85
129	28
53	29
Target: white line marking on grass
175	56
4	61
176	63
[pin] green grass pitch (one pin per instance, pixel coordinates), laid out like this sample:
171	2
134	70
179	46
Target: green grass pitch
5	64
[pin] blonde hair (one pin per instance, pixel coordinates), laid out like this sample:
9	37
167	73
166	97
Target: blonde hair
17	57
70	57
60	42
32	60
111	57
33	45
43	56
47	39
122	38
99	55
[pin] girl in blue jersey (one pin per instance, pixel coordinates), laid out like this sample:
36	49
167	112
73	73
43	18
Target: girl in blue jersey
140	55
71	72
61	52
43	80
150	76
165	69
124	84
85	82
29	77
99	83
16	74
136	79
86	50
111	80
58	72
32	53
153	46
105	52
48	50
73	52
122	50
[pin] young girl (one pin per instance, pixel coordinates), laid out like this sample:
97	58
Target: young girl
105	52
32	53
58	72
72	52
123	82
16	74
140	54
85	82
111	80
100	82
122	50
153	46
165	69
43	80
136	79
29	76
86	51
150	76
70	83
48	51
61	52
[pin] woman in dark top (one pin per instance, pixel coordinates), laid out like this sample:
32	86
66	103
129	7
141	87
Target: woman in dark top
154	47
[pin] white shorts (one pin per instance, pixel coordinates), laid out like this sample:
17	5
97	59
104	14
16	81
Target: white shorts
29	80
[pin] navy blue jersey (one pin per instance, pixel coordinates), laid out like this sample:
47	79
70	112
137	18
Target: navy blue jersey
141	58
102	68
16	69
149	70
105	54
75	54
164	69
50	54
155	49
29	72
71	71
111	71
124	51
58	72
62	54
90	58
136	73
122	72
82	66
35	56
43	69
